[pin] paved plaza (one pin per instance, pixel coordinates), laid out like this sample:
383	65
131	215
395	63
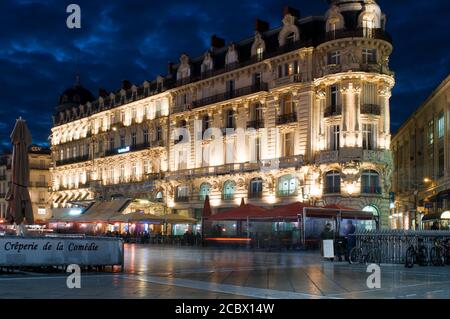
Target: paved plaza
182	272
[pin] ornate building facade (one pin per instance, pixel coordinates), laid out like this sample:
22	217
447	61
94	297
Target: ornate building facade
296	113
40	161
421	163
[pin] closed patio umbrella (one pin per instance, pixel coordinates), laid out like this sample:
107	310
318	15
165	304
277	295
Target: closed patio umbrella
18	197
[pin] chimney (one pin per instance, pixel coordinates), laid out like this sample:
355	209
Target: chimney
291	11
102	92
126	85
169	68
216	42
261	25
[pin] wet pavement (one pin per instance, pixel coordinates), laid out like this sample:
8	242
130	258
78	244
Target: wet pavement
182	272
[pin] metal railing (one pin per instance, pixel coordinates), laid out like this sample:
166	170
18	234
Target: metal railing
256	124
392	245
333	110
287	118
373	109
73	160
368	33
230	95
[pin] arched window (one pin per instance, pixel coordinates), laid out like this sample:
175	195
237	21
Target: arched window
372	209
370	182
205	190
256	188
182	193
332	182
229	188
287	185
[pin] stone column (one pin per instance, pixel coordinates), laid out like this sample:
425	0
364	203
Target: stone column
319	119
384	93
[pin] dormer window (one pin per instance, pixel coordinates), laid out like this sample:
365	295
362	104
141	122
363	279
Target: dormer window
184	70
290	39
207	64
231	58
260	53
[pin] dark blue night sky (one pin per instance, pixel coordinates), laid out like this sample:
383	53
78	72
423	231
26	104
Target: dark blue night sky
135	40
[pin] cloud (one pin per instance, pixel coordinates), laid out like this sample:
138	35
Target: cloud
132	39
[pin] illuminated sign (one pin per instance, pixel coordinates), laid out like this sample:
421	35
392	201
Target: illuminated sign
123	150
75	212
42	211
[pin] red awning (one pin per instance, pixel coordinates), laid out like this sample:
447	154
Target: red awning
244	212
290	211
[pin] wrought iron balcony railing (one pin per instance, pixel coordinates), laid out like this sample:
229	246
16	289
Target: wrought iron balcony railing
333	110
231	95
287	118
372	109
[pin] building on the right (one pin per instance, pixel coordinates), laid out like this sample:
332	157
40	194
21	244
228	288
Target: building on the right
421	178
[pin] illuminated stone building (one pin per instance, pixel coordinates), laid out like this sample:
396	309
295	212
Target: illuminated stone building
309	101
421	163
39	160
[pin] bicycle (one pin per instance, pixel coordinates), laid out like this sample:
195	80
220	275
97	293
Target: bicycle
438	253
367	253
417	255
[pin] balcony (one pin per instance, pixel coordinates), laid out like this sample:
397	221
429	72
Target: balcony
181	108
228	197
287	118
286	193
333	110
256	124
73	160
372	109
215	170
181	199
367	33
230	95
291	161
127	149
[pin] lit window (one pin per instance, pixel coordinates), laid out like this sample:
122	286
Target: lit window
229	188
205	190
287	185
260	53
441	126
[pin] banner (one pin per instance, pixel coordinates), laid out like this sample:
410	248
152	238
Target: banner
48	251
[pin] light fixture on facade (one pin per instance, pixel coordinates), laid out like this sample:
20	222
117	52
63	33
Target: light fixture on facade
350	188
